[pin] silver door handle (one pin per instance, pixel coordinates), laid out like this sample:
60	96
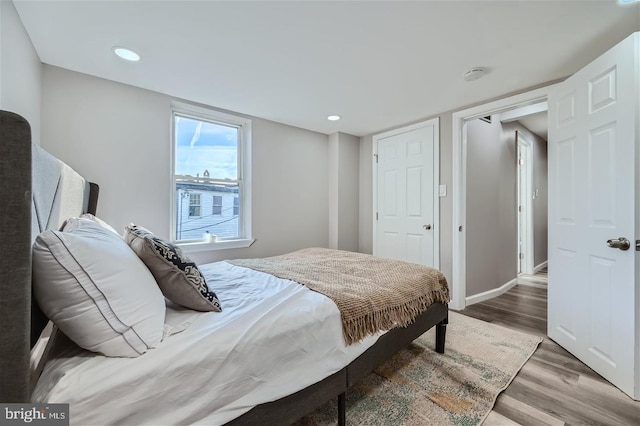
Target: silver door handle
620	243
426	227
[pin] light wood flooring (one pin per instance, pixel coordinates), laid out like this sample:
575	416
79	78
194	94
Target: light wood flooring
553	387
538	280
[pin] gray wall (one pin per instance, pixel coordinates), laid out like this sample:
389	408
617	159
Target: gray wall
118	136
365	196
20	69
344	152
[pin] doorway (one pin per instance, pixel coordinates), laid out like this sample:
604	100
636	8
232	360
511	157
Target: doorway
506	161
533	99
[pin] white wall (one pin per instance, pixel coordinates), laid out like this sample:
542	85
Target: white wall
20	69
118	136
344	153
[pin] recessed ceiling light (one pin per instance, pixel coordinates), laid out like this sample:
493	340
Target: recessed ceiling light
126	54
474	74
627	1
334	118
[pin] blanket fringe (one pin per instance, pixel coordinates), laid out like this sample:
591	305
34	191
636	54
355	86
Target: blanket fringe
390	317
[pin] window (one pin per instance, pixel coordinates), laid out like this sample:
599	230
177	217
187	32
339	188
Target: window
217	205
210	165
194	204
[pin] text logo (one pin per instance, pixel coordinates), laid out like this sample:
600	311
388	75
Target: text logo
34	414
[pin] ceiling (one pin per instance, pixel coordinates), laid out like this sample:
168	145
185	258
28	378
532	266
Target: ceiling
378	64
536	123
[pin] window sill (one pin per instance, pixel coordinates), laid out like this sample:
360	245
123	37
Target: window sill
199	246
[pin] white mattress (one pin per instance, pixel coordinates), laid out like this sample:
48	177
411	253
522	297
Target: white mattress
273	338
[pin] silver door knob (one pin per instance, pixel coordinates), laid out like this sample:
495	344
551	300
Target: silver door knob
426	227
620	243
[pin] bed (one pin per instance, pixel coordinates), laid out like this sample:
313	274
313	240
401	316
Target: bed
43	196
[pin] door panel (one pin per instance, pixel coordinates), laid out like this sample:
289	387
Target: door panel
602	175
593	132
564	169
603	295
390	196
414	192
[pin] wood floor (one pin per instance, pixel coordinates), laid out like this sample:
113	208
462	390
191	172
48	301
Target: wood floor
553	387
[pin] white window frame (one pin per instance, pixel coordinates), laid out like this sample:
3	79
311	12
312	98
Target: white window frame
244	177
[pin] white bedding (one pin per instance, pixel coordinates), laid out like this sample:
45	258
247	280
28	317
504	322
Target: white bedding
273	338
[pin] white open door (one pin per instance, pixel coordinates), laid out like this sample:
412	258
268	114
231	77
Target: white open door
524	177
405	200
593	204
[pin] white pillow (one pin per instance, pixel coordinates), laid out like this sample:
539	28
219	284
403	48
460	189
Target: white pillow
96	290
69	223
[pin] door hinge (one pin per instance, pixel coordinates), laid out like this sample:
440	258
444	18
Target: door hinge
521	161
521	255
376	215
520	208
376	155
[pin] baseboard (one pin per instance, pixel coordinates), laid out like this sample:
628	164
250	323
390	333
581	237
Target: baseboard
540	266
490	294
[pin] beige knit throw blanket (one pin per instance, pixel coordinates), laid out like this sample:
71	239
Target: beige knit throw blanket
372	294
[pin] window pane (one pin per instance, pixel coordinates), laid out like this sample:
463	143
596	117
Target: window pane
206	175
236	206
223	219
194	204
204	148
217	205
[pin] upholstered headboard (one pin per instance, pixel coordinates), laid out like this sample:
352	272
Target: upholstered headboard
38	192
58	193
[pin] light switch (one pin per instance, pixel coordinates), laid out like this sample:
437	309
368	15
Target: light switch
443	190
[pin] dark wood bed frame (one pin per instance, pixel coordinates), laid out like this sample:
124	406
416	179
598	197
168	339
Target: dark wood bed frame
23	322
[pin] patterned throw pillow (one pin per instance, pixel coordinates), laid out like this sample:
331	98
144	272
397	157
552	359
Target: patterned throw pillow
177	276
